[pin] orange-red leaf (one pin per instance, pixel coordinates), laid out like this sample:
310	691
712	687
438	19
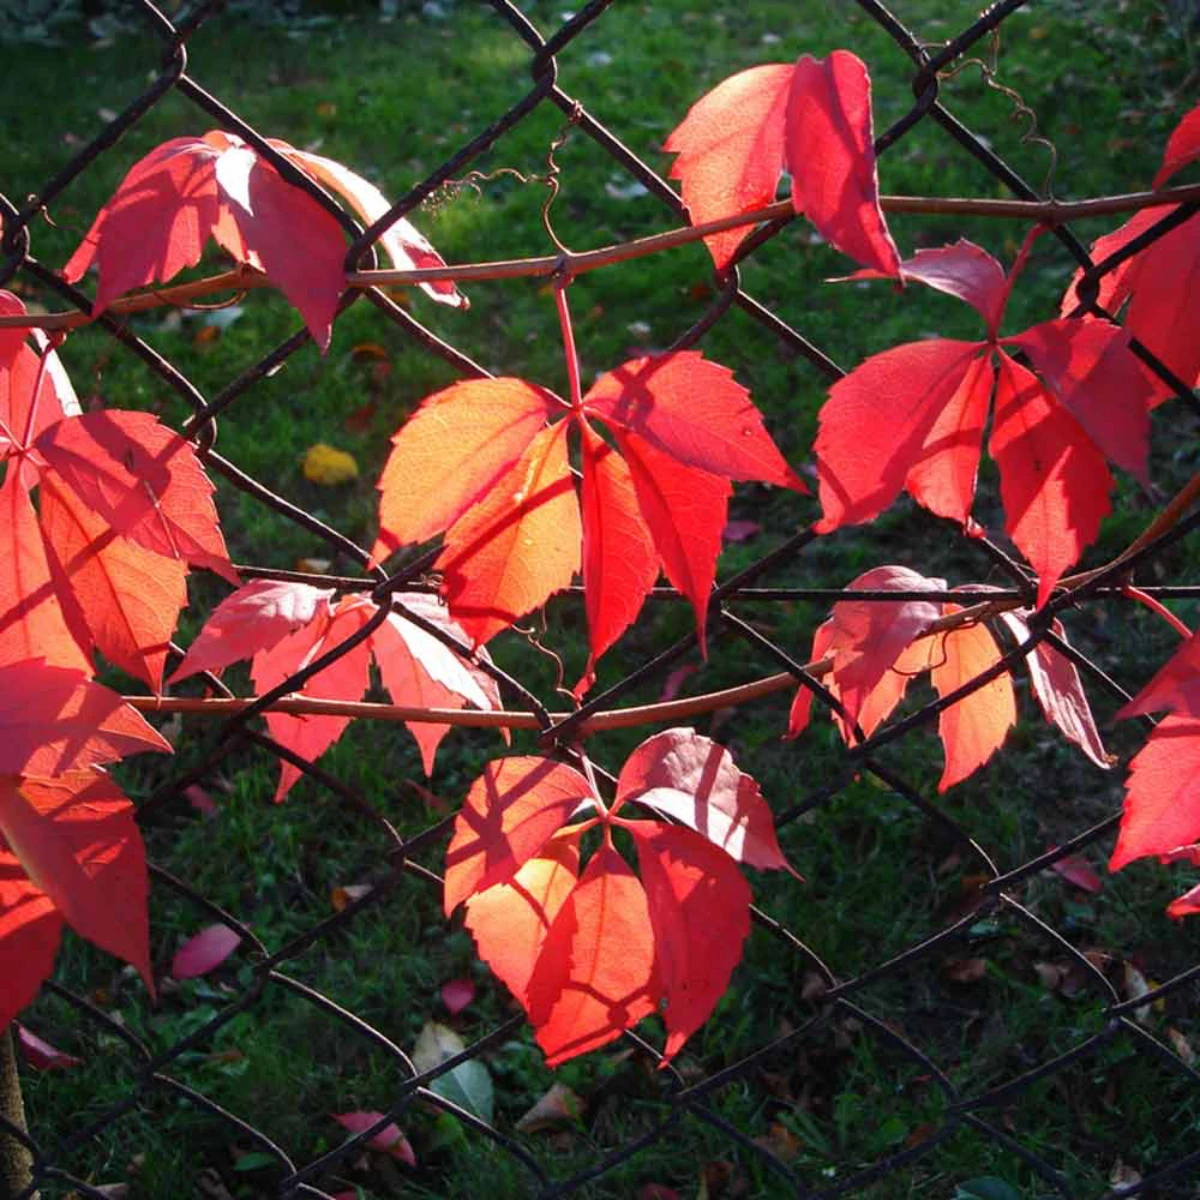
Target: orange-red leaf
30	927
1162	796
596	975
694	780
696	412
451	452
56	720
509	921
144	480
1183	147
33	623
829	150
518	545
1053	479
345	679
685	510
76	839
620	561
700	913
128	597
509	814
730	148
1175	686
876	426
973	729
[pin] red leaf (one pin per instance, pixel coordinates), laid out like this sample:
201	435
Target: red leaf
975	728
730	148
620	561
405	246
30	927
510	812
830	154
188	189
1077	870
1162	796
144	480
518	545
204	952
685	510
42	1056
1059	690
1053	480
76	839
1183	147
33	623
457	994
1175	686
345	679
694	780
1187	905
128	598
1090	369
1160	283
255	617
453	450
509	921
56	720
420	671
596	975
389	1139
700	913
876	425
694	411
26	377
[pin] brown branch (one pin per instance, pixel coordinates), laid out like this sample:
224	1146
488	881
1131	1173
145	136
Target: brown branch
568	264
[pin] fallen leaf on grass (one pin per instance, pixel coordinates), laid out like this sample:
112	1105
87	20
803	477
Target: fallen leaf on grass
468	1085
205	952
964	970
559	1106
389	1139
327	466
457	994
39	1054
1077	870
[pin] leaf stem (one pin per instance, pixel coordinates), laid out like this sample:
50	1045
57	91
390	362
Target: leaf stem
1159	609
568	337
1047	212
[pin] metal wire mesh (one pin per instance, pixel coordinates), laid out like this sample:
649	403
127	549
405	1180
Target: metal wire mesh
830	1001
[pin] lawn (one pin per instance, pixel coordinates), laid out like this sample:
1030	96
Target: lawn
392	94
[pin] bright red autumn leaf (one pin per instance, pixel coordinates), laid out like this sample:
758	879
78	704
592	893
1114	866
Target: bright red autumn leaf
877	647
814	118
479	461
912	418
57	720
281	627
190	189
204	952
1175	686
69	852
1157	285
589	954
1162	793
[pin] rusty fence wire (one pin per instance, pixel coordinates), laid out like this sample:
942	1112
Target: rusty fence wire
827	1004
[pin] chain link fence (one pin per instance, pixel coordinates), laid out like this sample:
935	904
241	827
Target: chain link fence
893	1011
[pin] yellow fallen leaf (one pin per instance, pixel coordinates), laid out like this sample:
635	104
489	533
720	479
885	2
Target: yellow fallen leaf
328	466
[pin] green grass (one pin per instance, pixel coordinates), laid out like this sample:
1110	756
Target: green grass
392	100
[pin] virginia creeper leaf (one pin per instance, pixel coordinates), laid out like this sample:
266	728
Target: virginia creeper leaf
1175	686
693	779
389	1139
56	720
1162	796
518	545
1053	479
30	928
1183	147
620	560
510	812
730	148
144	480
128	597
205	951
699	908
597	974
831	156
76	839
455	448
